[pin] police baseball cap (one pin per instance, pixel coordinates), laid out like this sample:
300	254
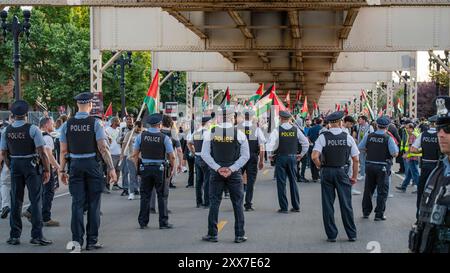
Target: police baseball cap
285	114
432	119
249	112
335	116
383	122
154	119
84	97
19	108
206	119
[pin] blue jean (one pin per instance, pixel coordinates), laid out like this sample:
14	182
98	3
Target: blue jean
411	172
129	176
362	163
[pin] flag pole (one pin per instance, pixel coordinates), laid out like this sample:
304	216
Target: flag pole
139	118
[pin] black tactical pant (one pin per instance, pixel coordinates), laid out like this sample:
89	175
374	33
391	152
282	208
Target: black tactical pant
24	174
285	167
251	169
48	193
425	171
86	186
191	167
216	188
335	180
377	177
152	177
314	171
202	171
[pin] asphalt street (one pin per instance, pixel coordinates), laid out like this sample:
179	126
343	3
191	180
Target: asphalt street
267	230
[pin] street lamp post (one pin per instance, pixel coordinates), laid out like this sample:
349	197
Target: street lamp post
405	95
122	61
174	81
16	28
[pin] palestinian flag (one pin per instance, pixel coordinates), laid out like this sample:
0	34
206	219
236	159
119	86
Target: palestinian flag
346	109
265	101
316	112
258	94
399	105
277	102
227	96
367	105
152	95
263	105
304	112
288	100
109	111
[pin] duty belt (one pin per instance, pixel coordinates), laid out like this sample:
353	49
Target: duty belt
377	162
335	167
153	164
430	161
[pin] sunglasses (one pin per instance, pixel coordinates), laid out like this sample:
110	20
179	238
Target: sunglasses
446	128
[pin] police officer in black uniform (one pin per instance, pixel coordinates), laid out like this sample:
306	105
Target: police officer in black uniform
331	154
427	144
152	147
225	150
195	142
256	142
83	144
380	149
431	234
284	145
22	148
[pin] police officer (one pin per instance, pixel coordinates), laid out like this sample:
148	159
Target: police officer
432	232
427	144
22	146
48	191
331	153
195	142
225	150
82	139
380	148
256	142
284	145
152	146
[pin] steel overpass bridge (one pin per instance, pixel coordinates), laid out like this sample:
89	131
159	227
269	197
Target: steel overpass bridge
329	50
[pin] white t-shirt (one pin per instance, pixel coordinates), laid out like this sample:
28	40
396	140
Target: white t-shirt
114	147
49	142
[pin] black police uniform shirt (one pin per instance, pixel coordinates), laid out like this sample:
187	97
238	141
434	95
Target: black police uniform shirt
290	134
335	138
21	139
81	121
254	135
229	139
428	142
196	138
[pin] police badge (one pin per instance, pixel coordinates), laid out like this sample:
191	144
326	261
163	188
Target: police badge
441	110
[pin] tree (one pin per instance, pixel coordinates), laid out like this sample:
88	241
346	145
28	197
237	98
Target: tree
56	62
137	81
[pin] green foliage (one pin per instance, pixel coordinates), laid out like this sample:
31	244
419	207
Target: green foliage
178	82
137	81
56	62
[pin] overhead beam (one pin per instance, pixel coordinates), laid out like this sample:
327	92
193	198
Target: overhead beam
374	29
218	5
348	23
187	23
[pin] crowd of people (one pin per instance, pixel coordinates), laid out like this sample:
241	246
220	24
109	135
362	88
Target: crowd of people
221	151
